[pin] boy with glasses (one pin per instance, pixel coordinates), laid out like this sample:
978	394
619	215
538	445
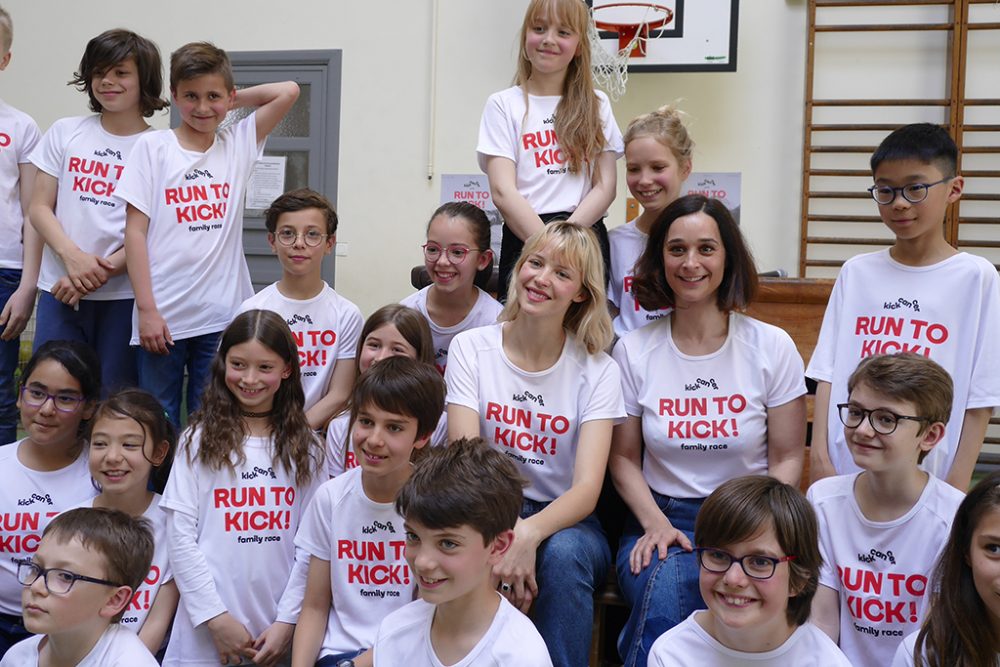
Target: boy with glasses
301	230
921	295
76	588
881	530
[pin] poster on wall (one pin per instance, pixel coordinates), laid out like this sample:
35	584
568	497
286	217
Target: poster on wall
474	189
722	185
671	35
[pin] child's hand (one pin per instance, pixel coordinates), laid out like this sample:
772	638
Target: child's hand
272	644
232	640
64	291
154	336
517	569
659	537
86	271
16	313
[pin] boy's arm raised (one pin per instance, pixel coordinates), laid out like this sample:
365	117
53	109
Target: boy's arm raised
17	310
154	336
969	443
273	100
820	465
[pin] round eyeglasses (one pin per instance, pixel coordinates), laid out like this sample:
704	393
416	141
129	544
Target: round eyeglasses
36	398
57	580
883	421
455	254
913	193
755	566
312	238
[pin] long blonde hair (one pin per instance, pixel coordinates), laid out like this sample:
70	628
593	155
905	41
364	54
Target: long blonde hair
578	116
588	320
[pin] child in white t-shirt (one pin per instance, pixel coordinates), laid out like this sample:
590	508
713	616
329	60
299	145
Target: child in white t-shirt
457	254
86	294
392	330
657	162
549	143
20	252
759	566
131	445
357	573
184	223
46	472
77	586
248	465
302	230
921	296
881	530
459	509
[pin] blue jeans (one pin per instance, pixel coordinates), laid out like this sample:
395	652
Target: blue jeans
162	375
9	350
332	659
666	591
105	326
571	564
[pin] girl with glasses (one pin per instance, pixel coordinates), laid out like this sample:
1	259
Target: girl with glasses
46	472
458	258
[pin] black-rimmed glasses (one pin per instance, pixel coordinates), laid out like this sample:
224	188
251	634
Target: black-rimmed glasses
883	421
312	238
36	398
755	566
913	193
57	580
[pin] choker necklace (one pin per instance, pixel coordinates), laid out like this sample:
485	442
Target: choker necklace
255	415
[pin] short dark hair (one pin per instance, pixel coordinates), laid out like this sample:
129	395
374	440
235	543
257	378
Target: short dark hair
146	410
478	225
112	47
198	59
79	360
739	282
299	200
125	542
924	142
742	508
467	483
402	386
409	322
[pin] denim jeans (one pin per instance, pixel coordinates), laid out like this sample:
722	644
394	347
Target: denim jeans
571	564
162	375
332	659
9	350
666	591
104	325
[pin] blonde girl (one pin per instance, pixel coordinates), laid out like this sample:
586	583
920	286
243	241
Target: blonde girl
658	153
548	144
247	466
539	388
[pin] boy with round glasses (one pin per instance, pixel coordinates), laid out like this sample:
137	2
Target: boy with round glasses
921	295
881	530
302	230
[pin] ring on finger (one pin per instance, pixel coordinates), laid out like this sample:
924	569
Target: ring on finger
505	587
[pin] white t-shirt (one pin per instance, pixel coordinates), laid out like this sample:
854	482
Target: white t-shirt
879	568
404	638
363	540
484	312
325	327
87	161
18	136
117	647
704	418
627	245
533	418
340	454
29	499
542	175
194	202
159	569
949	311
244	523
689	645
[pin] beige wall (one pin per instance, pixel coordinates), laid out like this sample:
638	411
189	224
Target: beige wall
748	121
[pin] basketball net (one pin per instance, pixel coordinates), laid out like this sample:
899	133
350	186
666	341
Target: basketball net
610	69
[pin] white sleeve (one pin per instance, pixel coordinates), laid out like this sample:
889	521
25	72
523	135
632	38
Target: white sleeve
630	387
194	580
336	446
605	400
31	138
785	374
462	373
497	133
290	604
827	569
984	385
904	652
821	364
350	332
48	154
315	534
136	183
613	142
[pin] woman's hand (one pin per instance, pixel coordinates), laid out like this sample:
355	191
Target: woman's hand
517	569
659	538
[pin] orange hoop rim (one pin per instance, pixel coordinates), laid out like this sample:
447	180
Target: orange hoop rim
621	27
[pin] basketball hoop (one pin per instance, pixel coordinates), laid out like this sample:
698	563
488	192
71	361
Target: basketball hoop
632	21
